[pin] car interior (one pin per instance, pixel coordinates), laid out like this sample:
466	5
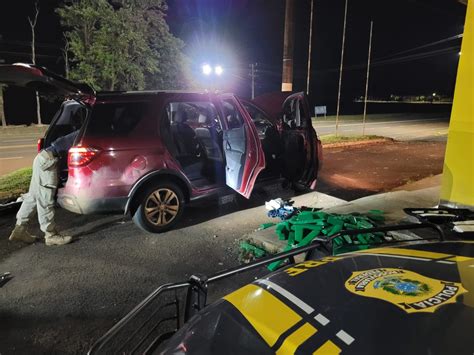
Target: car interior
69	118
294	131
193	135
270	138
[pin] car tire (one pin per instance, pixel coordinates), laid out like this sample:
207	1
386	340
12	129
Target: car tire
160	207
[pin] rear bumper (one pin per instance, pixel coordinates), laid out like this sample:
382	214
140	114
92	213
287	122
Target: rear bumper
91	206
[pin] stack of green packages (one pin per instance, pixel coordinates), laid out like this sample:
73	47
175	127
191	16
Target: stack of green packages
300	230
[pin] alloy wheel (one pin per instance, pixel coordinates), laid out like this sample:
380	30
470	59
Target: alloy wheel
161	206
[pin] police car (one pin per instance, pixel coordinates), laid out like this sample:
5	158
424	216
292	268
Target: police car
415	297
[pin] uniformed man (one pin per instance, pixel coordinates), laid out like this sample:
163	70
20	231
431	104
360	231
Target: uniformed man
41	195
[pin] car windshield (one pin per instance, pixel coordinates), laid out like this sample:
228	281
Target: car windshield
218	330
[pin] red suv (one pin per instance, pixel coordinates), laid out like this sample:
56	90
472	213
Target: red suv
147	153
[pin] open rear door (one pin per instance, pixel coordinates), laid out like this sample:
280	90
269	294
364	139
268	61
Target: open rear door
242	148
42	80
301	148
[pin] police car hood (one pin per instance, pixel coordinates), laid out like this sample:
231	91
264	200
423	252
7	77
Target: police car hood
414	299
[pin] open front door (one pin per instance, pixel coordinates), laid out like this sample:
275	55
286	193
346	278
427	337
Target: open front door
241	145
300	151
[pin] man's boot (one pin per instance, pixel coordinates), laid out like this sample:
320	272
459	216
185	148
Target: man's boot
57	239
20	234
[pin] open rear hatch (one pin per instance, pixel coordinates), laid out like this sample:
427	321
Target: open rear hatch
41	79
73	111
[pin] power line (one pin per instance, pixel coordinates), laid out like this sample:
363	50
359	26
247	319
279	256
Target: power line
425	45
388	59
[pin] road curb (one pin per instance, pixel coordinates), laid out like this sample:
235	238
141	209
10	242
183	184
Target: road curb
359	143
9	207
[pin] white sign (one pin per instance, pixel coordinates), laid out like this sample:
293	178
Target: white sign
320	110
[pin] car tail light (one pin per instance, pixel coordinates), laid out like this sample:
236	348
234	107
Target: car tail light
40	144
80	156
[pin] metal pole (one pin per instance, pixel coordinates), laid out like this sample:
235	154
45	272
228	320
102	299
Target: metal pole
288	45
33	56
309	47
340	69
367	79
252	66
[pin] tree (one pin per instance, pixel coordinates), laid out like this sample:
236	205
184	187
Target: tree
126	46
33	55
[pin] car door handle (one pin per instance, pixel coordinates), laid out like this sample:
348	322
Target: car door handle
227	145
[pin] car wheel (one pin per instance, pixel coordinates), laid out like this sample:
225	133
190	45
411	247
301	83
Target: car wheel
161	206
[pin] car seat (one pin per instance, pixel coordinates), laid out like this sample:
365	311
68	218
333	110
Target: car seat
208	138
183	135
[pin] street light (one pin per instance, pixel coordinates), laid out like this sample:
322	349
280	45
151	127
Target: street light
206	69
218	70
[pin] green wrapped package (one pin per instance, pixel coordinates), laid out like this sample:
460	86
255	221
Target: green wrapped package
301	229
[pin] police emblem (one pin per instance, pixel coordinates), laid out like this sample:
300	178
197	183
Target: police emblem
406	289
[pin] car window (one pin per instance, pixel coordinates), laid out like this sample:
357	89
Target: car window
116	119
293	114
195	114
217	332
232	114
259	118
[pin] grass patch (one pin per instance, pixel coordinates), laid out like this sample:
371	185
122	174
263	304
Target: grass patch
14	184
332	138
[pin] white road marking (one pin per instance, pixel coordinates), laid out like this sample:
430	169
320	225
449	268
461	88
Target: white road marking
291	297
321	319
19	146
11	158
378	123
346	338
445	262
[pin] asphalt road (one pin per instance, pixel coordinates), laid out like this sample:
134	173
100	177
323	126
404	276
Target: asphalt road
396	126
18	151
61	299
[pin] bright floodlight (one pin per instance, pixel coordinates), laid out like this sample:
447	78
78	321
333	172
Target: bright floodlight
434	94
206	69
218	70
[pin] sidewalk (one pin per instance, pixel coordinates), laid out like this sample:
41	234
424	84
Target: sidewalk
423	193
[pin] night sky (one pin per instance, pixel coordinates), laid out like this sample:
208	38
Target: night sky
235	33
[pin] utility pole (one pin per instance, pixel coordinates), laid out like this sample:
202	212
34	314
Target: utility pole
309	47
33	56
340	69
367	79
287	75
253	75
